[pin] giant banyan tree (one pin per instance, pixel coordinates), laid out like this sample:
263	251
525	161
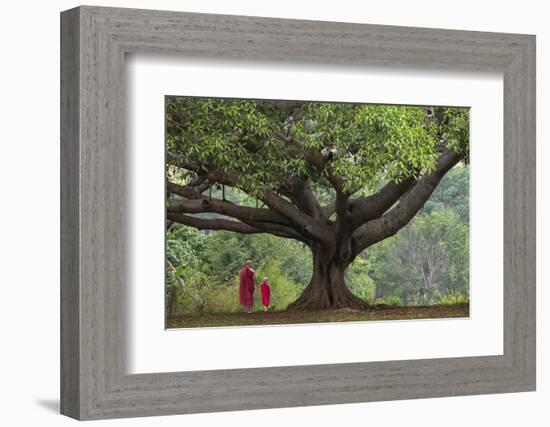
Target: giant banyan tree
337	177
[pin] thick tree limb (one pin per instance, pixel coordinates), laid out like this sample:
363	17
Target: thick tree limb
375	205
279	230
302	221
235	226
265	219
185	191
302	196
245	213
329	209
321	163
180	162
288	218
313	157
399	216
316	159
342	205
313	228
213	224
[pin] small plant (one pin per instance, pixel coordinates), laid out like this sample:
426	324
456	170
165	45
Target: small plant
392	300
453	298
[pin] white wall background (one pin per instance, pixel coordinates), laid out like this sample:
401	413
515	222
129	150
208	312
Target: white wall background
29	213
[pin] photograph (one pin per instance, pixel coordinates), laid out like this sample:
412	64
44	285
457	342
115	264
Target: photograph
299	212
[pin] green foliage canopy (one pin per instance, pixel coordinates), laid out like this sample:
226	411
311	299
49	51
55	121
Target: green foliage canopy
259	142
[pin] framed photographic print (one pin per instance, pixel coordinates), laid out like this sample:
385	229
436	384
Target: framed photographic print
302	181
262	213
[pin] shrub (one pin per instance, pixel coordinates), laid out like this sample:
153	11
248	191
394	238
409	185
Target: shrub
359	281
453	298
283	290
392	300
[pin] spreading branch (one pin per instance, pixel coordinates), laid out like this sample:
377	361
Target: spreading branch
387	225
213	224
264	219
306	224
375	205
235	226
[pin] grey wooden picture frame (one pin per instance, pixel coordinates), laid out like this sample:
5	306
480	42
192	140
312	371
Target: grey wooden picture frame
94	380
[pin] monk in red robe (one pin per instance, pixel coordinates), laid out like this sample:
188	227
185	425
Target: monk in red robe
265	290
246	288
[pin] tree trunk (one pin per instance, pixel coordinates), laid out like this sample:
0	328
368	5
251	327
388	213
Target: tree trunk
173	301
327	288
378	292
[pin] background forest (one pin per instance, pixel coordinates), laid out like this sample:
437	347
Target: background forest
425	263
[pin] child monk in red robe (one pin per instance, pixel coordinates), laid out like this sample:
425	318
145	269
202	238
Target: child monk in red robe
246	286
265	290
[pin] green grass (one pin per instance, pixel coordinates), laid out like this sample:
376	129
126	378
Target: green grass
319	316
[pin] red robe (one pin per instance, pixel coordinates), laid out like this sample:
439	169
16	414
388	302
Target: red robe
246	288
265	290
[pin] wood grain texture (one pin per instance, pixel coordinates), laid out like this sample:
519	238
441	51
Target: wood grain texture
94	382
70	297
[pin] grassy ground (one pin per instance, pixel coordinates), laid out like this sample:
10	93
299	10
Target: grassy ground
285	317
